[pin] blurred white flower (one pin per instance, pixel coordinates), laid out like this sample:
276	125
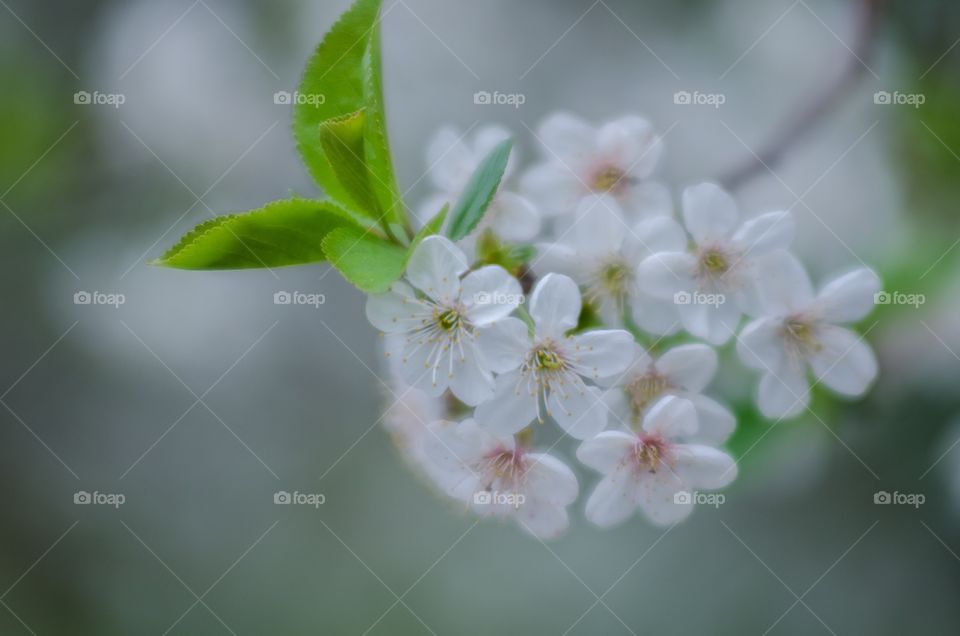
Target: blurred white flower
497	477
653	470
800	329
684	371
550	366
602	252
440	323
453	160
616	159
714	282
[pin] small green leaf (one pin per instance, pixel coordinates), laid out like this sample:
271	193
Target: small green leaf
368	262
513	258
282	233
342	142
432	227
342	77
479	193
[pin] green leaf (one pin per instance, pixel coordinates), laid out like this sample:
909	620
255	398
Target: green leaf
343	77
342	142
479	193
367	261
282	233
432	227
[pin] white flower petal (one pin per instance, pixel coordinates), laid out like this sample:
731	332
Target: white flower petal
655	315
671	417
555	305
845	363
660	234
606	451
664	274
541	519
690	367
785	394
709	213
450	160
396	311
614	499
515	218
700	466
549	479
581	413
647	200
766	233
471	381
554	187
848	298
435	268
714	323
557	258
602	353
566	136
504	344
511	409
716	422
632	143
761	345
782	284
489	294
418	372
656	494
599	228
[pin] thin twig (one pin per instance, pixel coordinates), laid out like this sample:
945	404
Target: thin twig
824	102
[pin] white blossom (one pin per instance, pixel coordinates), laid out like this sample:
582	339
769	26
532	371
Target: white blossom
579	159
683	371
800	330
653	470
439	315
497	477
543	373
714	281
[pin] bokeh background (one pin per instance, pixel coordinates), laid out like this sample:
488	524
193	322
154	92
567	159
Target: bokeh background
199	398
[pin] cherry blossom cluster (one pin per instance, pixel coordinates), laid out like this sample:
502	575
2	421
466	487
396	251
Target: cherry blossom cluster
607	326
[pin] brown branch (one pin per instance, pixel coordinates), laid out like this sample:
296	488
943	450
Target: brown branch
812	114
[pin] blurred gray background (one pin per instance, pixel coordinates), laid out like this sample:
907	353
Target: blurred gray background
198	398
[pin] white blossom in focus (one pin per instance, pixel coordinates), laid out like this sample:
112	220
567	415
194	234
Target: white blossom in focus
653	470
800	329
497	477
543	373
439	315
714	282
